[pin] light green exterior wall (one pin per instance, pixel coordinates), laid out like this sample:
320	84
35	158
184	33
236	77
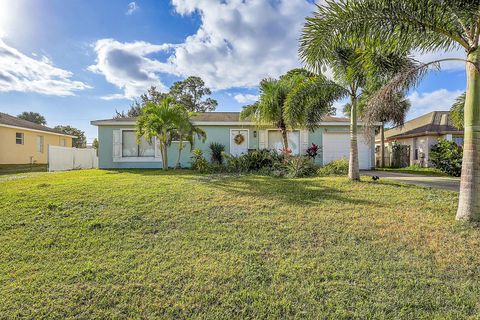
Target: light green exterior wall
220	134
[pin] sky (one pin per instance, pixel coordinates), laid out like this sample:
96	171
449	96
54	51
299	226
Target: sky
80	60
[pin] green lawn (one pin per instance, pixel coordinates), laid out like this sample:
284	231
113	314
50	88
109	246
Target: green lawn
150	244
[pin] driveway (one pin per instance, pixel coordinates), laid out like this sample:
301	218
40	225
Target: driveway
447	183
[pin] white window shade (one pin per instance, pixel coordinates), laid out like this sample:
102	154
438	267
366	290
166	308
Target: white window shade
275	141
129	144
146	149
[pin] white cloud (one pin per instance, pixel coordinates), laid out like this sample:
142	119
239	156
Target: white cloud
19	72
132	7
126	66
245	98
439	100
237	44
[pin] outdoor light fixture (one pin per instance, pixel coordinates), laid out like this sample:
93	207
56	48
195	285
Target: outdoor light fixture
254	133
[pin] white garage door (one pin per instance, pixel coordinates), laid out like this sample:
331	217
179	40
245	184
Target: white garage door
337	146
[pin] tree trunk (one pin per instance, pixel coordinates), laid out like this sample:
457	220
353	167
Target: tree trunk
469	201
285	138
353	169
382	146
165	156
180	147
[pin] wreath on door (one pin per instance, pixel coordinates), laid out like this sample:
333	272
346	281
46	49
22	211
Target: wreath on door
239	138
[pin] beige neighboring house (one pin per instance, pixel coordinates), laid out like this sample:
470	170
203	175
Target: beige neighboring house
25	142
420	134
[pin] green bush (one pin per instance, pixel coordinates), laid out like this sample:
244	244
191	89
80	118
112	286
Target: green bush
254	161
298	167
334	168
217	150
447	157
199	163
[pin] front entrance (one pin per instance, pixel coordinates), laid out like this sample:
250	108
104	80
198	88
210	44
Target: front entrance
238	142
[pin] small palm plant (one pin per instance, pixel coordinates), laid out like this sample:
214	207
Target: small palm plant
217	150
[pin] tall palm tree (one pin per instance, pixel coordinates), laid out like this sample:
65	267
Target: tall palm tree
355	70
160	120
456	111
186	131
424	25
292	101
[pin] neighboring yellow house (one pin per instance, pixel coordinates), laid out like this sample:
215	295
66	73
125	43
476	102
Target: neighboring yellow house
25	142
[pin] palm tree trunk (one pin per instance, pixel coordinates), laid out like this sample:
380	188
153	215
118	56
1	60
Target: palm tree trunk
353	168
469	201
165	157
180	147
285	138
382	146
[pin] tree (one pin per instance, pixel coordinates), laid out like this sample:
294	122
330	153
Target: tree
456	111
160	120
427	26
34	117
80	141
293	101
152	95
186	131
355	69
95	144
190	93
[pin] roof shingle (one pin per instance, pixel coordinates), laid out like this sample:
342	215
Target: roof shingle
9	120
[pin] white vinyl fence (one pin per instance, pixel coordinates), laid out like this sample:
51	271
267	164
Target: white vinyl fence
64	158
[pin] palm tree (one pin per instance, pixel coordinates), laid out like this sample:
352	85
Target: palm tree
160	120
186	131
292	101
424	25
456	111
355	70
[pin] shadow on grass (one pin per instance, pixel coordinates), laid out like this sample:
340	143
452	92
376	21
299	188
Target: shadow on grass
22	168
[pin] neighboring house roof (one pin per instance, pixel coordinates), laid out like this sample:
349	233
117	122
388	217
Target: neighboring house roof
7	120
433	123
215	118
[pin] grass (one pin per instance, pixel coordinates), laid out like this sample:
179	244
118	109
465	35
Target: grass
152	244
417	170
22	168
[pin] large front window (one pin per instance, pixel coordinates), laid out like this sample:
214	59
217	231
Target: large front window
130	147
275	141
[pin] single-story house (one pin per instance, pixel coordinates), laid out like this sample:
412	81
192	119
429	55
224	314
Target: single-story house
25	142
420	134
118	147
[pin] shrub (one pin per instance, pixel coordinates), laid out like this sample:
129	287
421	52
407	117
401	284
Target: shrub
298	167
312	151
254	161
334	168
447	157
199	162
217	150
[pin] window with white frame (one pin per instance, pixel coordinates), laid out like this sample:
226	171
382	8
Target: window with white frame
275	141
19	138
40	144
130	147
63	142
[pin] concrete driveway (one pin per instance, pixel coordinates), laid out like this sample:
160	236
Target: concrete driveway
446	183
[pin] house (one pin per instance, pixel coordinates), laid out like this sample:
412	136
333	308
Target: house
118	147
419	135
25	142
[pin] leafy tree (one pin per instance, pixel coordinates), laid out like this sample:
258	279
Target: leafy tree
95	144
293	101
152	95
423	25
447	157
34	117
160	120
186	131
80	141
190	93
456	111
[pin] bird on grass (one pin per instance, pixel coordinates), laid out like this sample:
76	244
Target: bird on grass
375	178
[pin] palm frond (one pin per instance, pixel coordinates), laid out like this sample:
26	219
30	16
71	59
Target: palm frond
457	111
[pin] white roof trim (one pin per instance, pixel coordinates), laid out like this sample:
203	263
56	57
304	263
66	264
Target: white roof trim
217	123
35	130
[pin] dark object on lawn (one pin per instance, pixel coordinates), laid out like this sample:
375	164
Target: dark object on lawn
375	178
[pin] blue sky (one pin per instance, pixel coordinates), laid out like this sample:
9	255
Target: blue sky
78	60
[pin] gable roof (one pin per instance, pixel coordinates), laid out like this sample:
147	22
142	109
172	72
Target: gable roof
432	123
213	118
7	120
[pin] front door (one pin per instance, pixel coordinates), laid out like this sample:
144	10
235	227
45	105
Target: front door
238	142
